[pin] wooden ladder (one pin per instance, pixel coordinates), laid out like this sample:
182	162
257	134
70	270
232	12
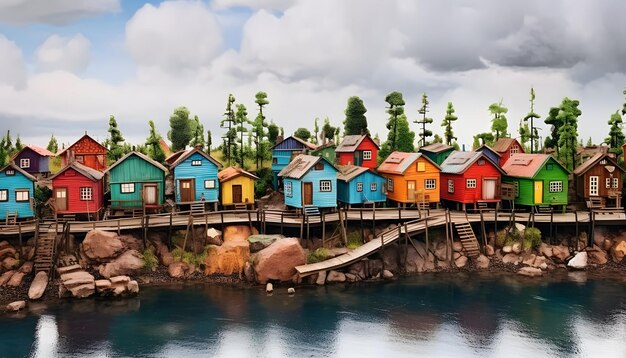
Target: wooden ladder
197	208
137	213
11	218
468	239
44	251
310	210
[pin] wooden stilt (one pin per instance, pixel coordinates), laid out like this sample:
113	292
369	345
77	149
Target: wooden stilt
323	230
145	231
169	233
361	223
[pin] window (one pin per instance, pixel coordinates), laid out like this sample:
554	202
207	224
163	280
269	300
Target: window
86	194
430	183
319	166
603	162
127	188
481	162
10	172
516	184
196	163
359	186
274	160
470	184
24	163
593	185
80	159
288	191
373	187
421	166
367	155
22	195
450	186
325	185
514	149
209	184
615	183
390	184
4	195
556	186
608	182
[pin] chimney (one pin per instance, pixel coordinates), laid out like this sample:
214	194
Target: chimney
199	147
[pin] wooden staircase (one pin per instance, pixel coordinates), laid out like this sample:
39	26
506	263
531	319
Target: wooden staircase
45	249
468	239
11	218
197	208
310	210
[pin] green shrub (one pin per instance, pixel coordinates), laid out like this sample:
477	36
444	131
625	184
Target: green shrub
354	240
532	238
318	255
189	257
149	259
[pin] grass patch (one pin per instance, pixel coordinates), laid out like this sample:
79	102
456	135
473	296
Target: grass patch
189	257
532	238
320	254
354	240
149	259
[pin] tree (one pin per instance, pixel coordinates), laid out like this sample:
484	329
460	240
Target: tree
405	141
395	110
197	138
568	132
615	140
3	152
53	145
482	139
424	133
303	134
228	123
328	131
499	125
555	123
241	118
209	142
589	142
114	141
316	130
624	108
531	132
18	144
355	122
8	143
153	144
181	129
272	132
259	129
447	123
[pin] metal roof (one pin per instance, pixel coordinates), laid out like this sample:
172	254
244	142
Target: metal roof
349	172
526	165
436	148
308	145
300	165
399	162
22	171
486	147
458	162
589	163
503	144
88	172
189	153
233	172
140	155
351	142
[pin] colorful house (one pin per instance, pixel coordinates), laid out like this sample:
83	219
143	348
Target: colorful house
359	185
539	179
309	181
285	151
237	186
437	152
195	177
172	158
327	151
359	150
17	188
86	151
411	178
470	178
136	181
599	178
34	160
78	190
490	153
507	147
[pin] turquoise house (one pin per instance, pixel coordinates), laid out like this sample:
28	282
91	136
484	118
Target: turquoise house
17	188
285	151
359	185
309	181
195	177
137	181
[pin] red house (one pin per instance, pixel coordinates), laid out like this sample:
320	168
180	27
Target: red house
78	190
470	178
360	150
507	147
86	151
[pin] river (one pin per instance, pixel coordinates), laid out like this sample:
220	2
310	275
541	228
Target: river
433	315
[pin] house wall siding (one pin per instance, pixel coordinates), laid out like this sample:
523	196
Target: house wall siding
462	194
247	189
347	191
134	170
73	184
400	192
206	171
10	183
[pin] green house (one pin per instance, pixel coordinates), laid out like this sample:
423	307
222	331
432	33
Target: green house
326	151
539	179
437	152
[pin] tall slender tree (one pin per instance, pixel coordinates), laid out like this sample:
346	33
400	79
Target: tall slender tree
181	128
499	124
228	122
615	140
355	122
395	110
114	142
424	133
568	133
53	145
260	129
447	123
552	141
624	108
209	142
272	133
531	131
316	131
153	144
241	121
197	138
18	144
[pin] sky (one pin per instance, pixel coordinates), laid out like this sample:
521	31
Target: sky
67	65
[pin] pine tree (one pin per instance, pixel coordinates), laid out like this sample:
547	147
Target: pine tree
568	132
153	144
272	133
8	143
18	144
529	132
552	141
197	138
181	129
405	141
209	142
259	129
395	110
328	131
53	145
589	142
624	108
499	125
355	122
228	123
447	123
615	140
3	152
316	130
241	118
424	133
114	141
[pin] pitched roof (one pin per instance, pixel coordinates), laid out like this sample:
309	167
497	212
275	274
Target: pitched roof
486	147
233	172
349	143
172	158
140	155
22	171
39	150
81	138
503	144
329	144
300	165
349	172
191	152
310	146
589	163
526	165
399	162
458	162
436	148
88	172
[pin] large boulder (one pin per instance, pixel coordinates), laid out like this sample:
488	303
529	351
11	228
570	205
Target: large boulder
391	257
461	261
164	254
213	237
560	252
38	287
457	246
335	276
228	259
440	251
7	251
579	261
101	246
530	271
528	259
597	256
238	232
9	263
129	263
6	277
279	260
510	259
27	267
178	270
482	262
618	251
545	250
259	242
16	279
415	259
131	243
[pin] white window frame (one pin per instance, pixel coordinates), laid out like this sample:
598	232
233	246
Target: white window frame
607	182
615	183
471	183
86	193
367	155
430	184
127	188
25	163
359	186
451	186
594	185
196	162
209	184
390	185
4	195
19	195
556	186
326	186
9	172
373	187
288	189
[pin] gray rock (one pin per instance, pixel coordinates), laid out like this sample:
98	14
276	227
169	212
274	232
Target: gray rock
335	276
579	261
321	278
38	287
16	306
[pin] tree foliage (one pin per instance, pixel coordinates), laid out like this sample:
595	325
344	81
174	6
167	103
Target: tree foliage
241	118
499	124
555	123
18	144
328	131
395	110
209	141
355	122
181	129
615	140
447	124
153	144
53	145
529	133
302	133
272	133
197	138
568	132
624	107
482	139
114	142
260	130
316	131
424	133
231	134
405	140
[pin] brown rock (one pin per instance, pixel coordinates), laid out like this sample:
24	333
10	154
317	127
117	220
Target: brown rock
68	269
102	286
352	277
4	244
545	249
374	268
28	253
387	274
6	277
321	278
414	262
129	263
540	262
335	276
516	248
597	256
82	291
528	259
27	267
461	261
16	279
279	260
9	263
489	250
507	249
16	306
7	251
606	245
238	232
131	243
38	287
443	264
457	246
482	262
228	259
391	257
440	251
120	279
176	269
560	252
102	246
510	259
530	271
618	251
213	237
132	287
248	271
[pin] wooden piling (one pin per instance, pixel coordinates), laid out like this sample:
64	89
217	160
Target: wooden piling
169	232
323	230
361	223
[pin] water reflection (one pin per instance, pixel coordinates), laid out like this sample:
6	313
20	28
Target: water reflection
429	315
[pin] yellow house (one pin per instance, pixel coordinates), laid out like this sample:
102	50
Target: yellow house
237	186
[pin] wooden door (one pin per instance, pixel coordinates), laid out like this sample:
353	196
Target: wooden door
237	194
187	190
490	189
60	196
410	190
538	192
358	158
150	194
307	193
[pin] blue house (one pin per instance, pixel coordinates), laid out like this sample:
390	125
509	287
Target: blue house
309	181
195	178
359	185
285	151
17	188
490	153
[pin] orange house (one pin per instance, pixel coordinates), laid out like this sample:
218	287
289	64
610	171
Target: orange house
86	151
411	178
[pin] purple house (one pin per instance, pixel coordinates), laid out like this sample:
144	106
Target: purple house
34	160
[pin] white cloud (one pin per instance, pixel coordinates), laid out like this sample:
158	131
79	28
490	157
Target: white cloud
64	53
12	68
56	12
175	36
253	4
